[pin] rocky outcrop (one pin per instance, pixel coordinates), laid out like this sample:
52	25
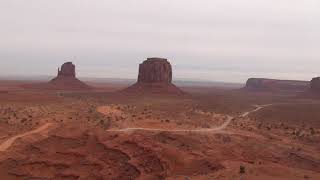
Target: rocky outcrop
262	84
155	76
155	70
315	85
67	70
66	79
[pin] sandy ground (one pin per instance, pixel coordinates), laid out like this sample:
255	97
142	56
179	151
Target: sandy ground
206	135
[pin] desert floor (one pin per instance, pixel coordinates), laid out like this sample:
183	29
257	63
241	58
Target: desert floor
206	134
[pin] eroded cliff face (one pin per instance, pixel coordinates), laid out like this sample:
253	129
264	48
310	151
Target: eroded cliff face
262	84
315	84
155	70
155	76
255	83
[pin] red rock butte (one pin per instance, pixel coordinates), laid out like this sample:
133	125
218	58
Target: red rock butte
315	85
155	70
67	69
66	79
155	76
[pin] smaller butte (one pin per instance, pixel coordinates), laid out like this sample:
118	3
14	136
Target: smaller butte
66	79
155	77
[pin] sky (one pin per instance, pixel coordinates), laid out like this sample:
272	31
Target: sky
215	40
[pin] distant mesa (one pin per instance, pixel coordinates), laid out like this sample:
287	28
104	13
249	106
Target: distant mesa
155	76
65	80
262	84
315	85
314	89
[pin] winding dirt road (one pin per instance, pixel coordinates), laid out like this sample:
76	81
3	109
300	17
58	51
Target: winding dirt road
223	126
258	108
216	129
8	143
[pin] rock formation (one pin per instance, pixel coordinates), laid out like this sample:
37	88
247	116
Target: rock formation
261	84
155	70
67	70
315	85
66	79
155	76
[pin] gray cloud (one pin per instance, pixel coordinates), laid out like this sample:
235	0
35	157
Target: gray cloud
205	39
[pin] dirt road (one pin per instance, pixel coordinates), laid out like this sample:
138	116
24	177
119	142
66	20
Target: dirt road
8	143
258	108
216	129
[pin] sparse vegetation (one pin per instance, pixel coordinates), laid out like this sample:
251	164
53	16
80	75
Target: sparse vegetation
251	140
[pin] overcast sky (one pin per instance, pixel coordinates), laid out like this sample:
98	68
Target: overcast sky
218	40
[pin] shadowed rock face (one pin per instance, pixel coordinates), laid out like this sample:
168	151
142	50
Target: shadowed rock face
315	84
155	70
276	85
67	69
155	76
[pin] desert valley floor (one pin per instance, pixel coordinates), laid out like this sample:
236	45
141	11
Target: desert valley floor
205	134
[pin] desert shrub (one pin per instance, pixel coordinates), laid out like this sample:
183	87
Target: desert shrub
242	169
105	123
259	125
312	131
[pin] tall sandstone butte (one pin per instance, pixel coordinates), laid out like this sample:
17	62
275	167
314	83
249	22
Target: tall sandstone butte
155	76
315	85
66	79
155	70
